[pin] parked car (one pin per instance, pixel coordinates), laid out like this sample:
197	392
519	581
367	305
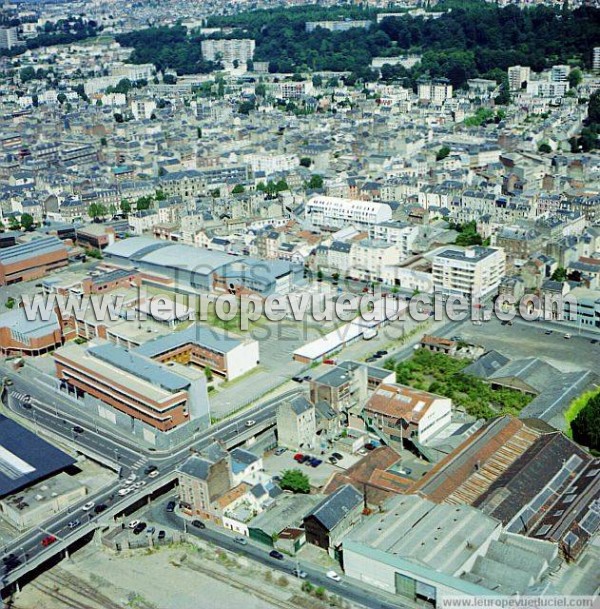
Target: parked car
280	451
139	484
306	459
150	530
161	535
314	462
241	540
370	360
362	452
131	478
276	554
48	540
332	460
307	377
297	379
547	332
567	335
298	457
334	576
124	491
133	524
153	474
88	506
149	469
331	362
338	456
171	506
139	528
299	573
381	352
74	524
198	524
370	446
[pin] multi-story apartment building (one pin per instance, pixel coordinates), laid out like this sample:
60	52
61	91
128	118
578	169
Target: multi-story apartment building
9	38
517	76
337	212
474	272
338	26
369	257
435	91
228	51
296	423
398	233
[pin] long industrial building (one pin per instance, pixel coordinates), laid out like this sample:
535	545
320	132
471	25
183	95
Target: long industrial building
31	260
201	269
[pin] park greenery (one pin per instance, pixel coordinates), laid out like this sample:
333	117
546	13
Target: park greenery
444	375
474	39
296	481
588	138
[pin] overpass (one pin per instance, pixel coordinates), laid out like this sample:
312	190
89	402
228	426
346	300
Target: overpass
32	558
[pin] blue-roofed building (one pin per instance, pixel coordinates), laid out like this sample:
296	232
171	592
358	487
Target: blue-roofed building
21	336
245	466
206	347
25	458
205	270
31	260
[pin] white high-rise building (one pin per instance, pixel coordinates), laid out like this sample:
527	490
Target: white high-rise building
560	73
9	38
517	75
596	59
474	272
435	91
228	51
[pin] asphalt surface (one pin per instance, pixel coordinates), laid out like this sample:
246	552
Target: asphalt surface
127	459
346	588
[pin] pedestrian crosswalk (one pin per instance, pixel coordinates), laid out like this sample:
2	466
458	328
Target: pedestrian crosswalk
20	397
141	461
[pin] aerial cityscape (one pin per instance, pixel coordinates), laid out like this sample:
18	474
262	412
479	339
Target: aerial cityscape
299	304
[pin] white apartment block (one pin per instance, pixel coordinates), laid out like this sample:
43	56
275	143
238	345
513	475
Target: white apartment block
338	212
143	108
9	38
338	26
368	259
560	73
228	51
517	75
398	233
274	163
545	88
435	91
596	59
474	272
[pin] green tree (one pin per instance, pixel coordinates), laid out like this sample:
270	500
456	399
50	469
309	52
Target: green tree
13	223
208	373
97	210
160	195
144	203
238	189
10	302
260	90
305	161
94	253
560	274
442	153
319	275
316	181
575	78
125	207
586	425
27	221
61	98
119	117
103	141
317	80
544	148
296	481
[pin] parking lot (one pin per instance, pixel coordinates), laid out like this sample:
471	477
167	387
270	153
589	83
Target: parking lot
318	476
529	339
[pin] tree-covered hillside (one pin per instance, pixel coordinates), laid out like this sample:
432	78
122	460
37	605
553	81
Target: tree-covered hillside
477	40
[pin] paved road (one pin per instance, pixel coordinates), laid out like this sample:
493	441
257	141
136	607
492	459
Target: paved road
346	588
128	459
